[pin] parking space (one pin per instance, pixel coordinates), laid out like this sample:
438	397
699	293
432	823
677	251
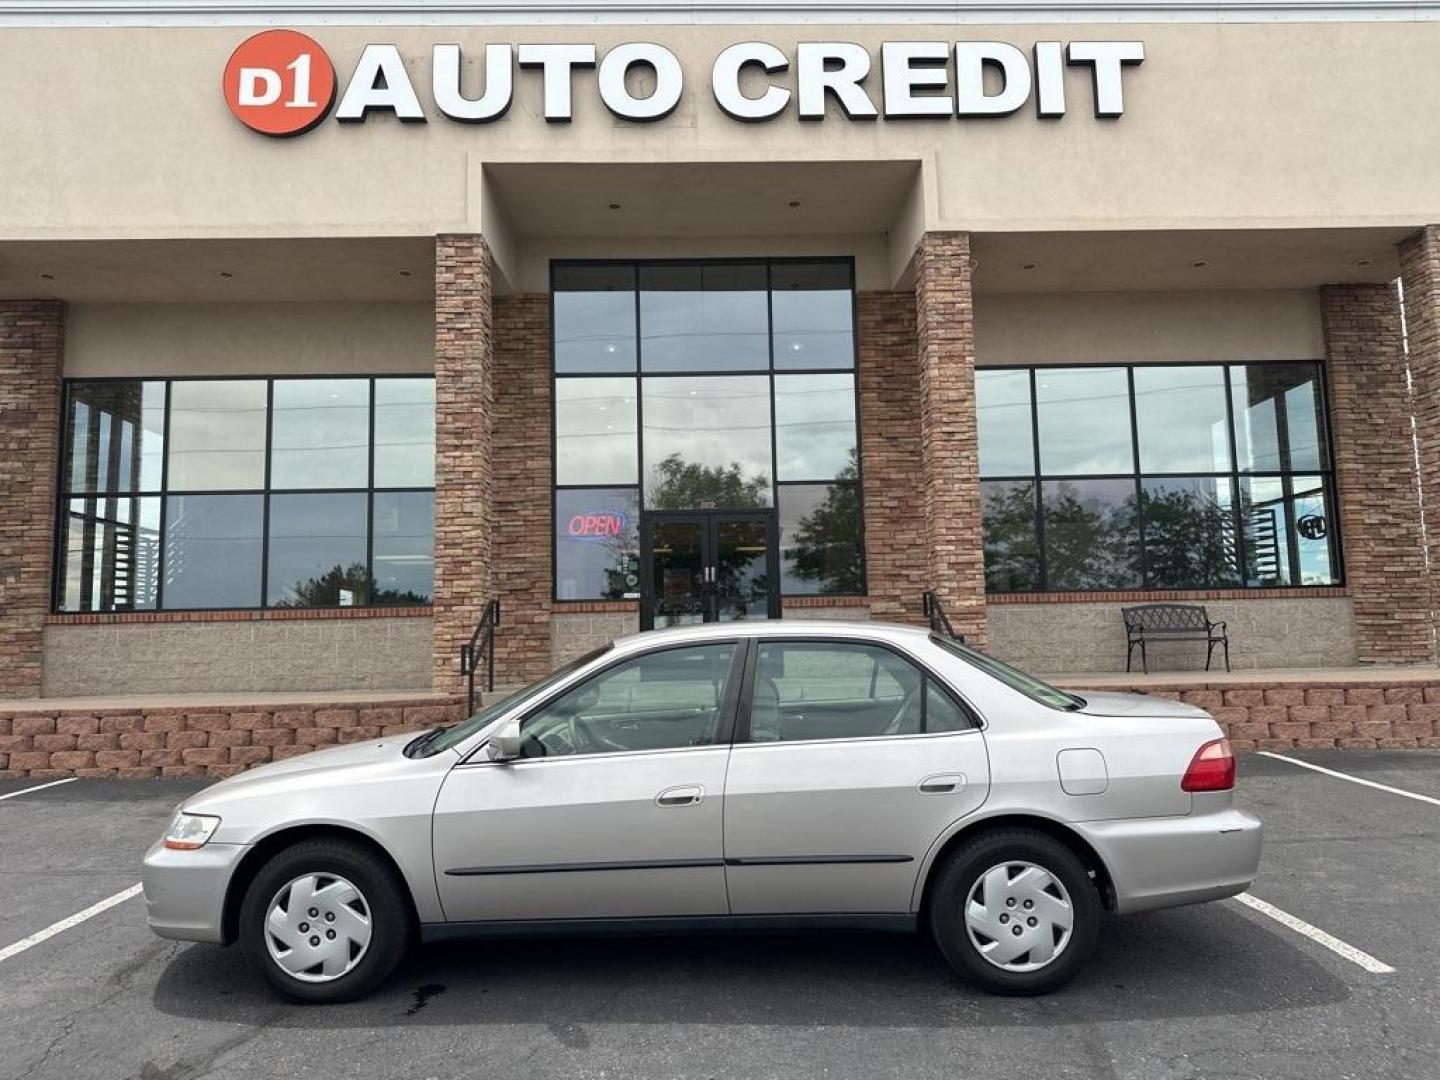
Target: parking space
1213	991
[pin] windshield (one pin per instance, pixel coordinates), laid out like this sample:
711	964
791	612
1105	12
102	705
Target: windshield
453	736
1031	687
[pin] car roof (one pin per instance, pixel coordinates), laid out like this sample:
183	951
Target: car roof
805	628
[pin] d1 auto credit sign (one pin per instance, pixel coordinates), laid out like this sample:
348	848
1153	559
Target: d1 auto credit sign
280	83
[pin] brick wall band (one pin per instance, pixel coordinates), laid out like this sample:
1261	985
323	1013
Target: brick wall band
1370	406
464	405
32	345
1420	277
949	439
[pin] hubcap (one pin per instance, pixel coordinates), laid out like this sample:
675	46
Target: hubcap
296	942
1018	916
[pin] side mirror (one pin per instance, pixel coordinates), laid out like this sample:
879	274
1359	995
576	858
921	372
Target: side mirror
504	745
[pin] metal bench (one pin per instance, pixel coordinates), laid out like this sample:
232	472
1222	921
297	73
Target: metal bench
1172	622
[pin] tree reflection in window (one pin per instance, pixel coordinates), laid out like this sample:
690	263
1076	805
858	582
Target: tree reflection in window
678	484
820	546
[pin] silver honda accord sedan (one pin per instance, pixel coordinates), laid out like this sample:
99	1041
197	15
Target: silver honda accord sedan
739	775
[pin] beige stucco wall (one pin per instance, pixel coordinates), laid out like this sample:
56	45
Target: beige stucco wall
1304	632
210	657
123	132
1146	327
242	339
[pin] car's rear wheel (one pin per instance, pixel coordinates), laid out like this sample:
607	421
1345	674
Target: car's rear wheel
1014	911
325	921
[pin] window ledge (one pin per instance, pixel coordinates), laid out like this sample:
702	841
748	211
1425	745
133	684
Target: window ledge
93	618
1163	596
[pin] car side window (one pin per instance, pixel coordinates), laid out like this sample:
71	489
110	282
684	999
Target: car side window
659	701
842	690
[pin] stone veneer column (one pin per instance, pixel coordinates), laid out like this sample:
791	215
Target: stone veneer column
949	441
464	403
1379	509
32	346
521	475
896	573
1420	276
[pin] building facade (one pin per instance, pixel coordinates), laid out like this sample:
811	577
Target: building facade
314	341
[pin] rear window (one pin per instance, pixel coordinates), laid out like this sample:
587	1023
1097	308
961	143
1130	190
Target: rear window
1033	688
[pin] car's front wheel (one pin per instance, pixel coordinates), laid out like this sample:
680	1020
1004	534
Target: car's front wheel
325	921
1014	911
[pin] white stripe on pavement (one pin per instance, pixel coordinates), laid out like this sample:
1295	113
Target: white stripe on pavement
66	923
38	787
1354	779
1314	933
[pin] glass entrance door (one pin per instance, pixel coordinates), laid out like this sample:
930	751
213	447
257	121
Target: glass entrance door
708	566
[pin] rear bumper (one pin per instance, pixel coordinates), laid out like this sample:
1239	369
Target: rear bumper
185	890
1169	861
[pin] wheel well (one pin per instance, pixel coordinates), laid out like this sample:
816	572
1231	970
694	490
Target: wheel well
272	845
1087	855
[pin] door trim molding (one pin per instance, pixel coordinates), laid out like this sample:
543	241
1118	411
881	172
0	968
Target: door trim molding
676	864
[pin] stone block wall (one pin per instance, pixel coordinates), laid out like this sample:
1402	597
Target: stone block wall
1377	487
32	345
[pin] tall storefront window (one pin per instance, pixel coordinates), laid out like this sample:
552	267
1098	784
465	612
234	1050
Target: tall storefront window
1163	476
683	386
244	493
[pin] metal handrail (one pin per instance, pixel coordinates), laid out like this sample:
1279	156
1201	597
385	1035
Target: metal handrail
481	644
935	612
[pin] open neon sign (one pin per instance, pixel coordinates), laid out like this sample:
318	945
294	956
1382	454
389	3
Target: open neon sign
598	526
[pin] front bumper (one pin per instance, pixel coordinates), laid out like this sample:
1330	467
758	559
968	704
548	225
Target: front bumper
185	890
1169	861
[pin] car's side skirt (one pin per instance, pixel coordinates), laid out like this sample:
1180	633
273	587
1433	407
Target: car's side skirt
687	924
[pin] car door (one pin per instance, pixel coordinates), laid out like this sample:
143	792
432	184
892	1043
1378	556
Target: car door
614	809
848	763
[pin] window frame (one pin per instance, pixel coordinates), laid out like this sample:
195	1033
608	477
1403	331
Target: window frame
63	493
928	677
1235	476
639	374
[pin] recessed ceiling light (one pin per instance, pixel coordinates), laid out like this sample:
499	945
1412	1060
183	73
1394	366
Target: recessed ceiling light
45	275
1029	266
614	206
794	203
1362	262
226	274
1199	264
404	273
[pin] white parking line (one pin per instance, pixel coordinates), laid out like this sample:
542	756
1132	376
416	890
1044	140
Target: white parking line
1314	933
1353	779
38	787
66	923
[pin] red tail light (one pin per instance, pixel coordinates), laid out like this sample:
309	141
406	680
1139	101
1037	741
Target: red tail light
1211	769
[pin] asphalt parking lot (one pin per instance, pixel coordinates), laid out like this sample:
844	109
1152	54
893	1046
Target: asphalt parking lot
1220	990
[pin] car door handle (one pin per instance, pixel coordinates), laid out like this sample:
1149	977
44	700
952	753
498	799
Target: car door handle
688	795
942	784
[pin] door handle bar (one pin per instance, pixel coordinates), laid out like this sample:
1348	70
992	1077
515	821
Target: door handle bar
688	795
942	784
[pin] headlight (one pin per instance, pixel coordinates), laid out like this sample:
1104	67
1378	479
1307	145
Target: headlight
190	831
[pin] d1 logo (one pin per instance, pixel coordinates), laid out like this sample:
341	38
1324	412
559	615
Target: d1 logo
279	83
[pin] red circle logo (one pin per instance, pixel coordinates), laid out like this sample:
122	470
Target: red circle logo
279	83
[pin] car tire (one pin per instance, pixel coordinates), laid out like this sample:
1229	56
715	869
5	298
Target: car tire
1000	897
331	901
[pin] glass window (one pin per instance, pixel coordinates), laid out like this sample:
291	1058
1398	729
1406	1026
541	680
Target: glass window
1314	545
1012	544
1084	421
814	427
405	432
1189	530
595	433
813	312
404	548
1288	529
660	701
707	442
597	544
320	433
832	690
1007	435
116	436
213	550
317	551
821	549
704	317
217	435
1012	677
1181	416
1279	424
594	319
110	549
1091	534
